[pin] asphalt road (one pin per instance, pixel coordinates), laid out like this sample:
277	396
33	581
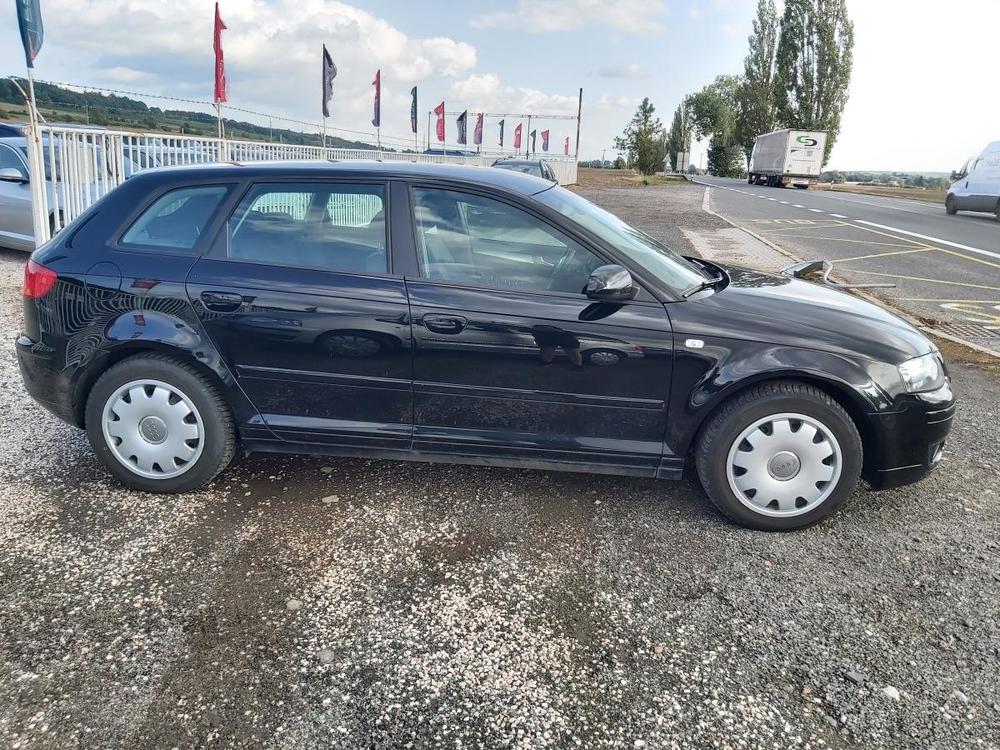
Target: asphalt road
946	269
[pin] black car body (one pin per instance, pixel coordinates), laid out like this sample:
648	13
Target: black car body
419	342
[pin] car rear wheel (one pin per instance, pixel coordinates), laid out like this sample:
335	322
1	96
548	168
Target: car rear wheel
949	205
159	425
781	456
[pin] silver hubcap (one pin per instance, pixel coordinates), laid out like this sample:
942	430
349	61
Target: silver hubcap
604	358
784	465
153	429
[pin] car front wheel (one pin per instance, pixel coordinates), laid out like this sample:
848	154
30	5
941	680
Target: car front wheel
949	205
781	456
159	425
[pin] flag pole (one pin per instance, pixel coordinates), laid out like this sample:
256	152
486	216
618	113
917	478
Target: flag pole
324	137
39	213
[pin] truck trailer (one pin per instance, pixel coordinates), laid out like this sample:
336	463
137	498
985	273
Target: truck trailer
787	157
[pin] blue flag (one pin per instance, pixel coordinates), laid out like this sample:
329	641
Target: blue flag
29	19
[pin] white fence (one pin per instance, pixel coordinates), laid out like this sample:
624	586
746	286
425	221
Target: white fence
82	164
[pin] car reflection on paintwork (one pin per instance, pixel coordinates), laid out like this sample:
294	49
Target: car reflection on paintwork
499	338
357	343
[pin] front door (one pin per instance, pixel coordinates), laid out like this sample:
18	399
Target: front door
512	360
299	299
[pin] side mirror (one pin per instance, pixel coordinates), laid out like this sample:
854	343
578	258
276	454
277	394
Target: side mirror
610	283
811	270
11	174
955	176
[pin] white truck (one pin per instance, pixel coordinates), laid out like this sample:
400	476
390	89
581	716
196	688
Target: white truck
787	157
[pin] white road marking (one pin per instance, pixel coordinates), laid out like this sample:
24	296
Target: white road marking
928	238
796	205
783	203
838	216
816	210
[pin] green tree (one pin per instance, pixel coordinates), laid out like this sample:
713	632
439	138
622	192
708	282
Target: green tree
716	111
813	63
757	92
679	135
643	140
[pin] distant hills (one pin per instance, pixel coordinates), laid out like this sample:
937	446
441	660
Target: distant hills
59	104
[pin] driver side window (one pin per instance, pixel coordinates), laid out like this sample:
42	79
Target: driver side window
473	240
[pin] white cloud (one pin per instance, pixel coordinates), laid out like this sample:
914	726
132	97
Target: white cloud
610	103
535	16
630	70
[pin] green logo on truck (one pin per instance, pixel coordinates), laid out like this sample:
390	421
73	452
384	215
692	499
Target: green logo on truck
805	140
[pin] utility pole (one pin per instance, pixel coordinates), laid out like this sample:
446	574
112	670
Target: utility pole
579	112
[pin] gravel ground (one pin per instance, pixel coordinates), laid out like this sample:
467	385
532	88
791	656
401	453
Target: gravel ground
310	602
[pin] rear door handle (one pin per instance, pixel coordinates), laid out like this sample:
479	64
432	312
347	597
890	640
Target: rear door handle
444	323
222	301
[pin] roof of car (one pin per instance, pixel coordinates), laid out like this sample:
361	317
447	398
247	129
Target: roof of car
483	176
517	161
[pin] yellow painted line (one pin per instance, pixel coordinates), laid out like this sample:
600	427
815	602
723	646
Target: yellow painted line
934	247
802	227
885	255
933	281
943	301
860	242
968	257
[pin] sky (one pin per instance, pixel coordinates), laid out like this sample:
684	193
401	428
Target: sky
922	95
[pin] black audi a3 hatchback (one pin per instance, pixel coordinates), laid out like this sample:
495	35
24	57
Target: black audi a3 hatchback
460	314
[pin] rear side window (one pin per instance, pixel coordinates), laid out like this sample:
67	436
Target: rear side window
176	219
329	226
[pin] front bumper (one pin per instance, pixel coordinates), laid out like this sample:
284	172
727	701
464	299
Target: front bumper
44	380
910	440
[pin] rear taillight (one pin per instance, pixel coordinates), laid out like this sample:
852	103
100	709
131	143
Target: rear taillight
38	280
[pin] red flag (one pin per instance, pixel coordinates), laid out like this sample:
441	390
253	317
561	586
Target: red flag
517	137
545	140
221	86
566	146
377	83
439	111
477	134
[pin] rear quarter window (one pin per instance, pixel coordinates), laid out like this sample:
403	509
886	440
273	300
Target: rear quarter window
176	219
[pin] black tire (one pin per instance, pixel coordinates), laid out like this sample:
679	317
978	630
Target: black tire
777	397
949	205
217	421
996	211
750	179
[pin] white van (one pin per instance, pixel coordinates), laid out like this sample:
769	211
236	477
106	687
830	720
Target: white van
976	186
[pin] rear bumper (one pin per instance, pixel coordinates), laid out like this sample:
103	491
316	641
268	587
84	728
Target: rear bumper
44	380
910	441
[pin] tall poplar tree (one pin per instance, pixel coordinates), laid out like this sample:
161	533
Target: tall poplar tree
757	92
814	59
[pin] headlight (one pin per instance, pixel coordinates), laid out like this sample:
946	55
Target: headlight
922	373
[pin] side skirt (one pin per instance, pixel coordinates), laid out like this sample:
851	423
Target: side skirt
669	468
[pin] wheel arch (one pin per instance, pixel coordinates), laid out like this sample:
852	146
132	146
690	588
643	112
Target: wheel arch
125	350
841	392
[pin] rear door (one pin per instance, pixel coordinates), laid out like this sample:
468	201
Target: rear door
512	360
299	298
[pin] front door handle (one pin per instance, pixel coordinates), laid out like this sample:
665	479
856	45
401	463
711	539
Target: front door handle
444	323
222	301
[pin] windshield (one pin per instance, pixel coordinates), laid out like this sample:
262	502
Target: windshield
652	256
534	169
